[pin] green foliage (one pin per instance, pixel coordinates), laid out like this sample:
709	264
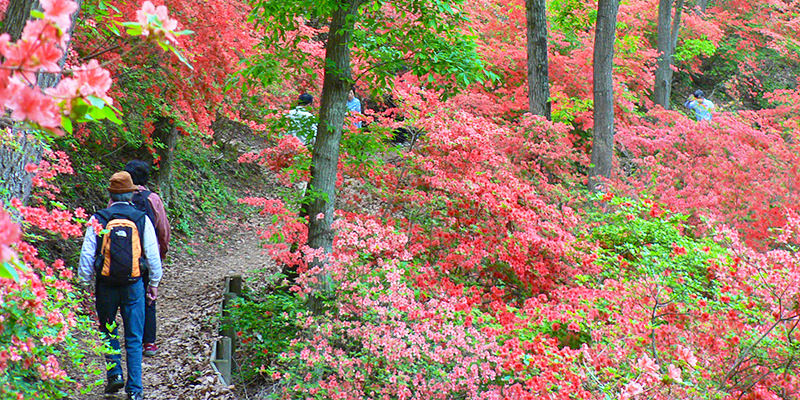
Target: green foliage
265	321
99	11
199	192
693	48
569	17
9	268
36	315
568	108
639	238
450	59
135	29
362	147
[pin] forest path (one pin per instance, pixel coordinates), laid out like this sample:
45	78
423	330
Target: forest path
188	312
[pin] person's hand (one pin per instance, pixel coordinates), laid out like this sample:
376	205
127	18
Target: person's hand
152	294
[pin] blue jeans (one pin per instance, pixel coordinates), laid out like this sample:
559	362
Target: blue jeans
149	335
129	300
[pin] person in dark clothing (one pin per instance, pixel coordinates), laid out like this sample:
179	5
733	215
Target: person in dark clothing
151	203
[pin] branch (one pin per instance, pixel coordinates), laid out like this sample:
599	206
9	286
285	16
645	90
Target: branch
653	316
743	356
676	26
380	65
101	52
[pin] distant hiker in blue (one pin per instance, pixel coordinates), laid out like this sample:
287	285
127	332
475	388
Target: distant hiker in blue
354	105
702	107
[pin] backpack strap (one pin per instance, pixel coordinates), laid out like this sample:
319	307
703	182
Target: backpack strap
102	218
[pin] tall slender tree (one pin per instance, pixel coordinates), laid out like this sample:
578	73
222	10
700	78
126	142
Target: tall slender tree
668	27
337	83
418	37
603	133
538	75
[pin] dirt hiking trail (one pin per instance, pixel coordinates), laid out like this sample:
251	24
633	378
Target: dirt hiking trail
188	308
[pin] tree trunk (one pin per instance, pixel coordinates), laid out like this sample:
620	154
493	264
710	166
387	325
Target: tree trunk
166	133
538	75
325	156
17	14
603	133
667	41
26	148
702	5
22	149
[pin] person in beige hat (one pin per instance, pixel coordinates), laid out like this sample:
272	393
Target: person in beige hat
116	258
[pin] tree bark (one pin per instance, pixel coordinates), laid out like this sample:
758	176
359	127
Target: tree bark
603	133
20	150
25	148
17	14
667	41
325	155
167	134
538	75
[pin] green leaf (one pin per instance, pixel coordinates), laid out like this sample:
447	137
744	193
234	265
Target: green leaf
9	271
37	14
181	57
80	108
66	123
112	116
97	113
96	101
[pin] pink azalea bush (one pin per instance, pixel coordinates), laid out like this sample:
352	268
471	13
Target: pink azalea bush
477	277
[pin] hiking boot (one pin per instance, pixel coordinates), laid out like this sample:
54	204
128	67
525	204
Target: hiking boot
150	349
114	384
135	396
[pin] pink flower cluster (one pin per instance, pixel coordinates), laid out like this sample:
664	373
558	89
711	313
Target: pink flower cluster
40	49
9	234
155	22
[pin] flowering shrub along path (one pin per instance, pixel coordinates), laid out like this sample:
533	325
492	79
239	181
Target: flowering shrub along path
485	273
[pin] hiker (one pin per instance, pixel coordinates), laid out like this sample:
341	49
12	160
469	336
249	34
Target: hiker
302	123
116	258
151	204
354	105
702	107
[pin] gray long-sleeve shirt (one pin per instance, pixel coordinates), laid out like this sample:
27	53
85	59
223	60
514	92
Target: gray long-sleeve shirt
86	266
